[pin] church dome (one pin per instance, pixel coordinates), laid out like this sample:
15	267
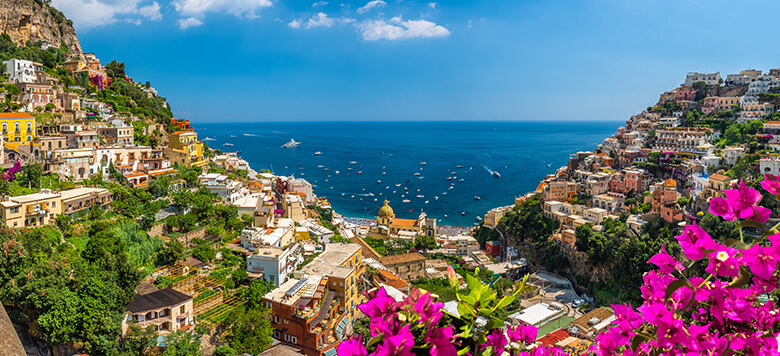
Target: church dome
385	211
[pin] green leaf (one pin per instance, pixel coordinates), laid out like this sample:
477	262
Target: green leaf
463	351
485	311
494	324
505	301
468	299
374	340
465	311
672	287
731	241
488	351
750	223
741	280
637	340
472	282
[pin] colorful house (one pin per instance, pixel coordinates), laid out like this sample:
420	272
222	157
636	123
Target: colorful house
184	148
17	126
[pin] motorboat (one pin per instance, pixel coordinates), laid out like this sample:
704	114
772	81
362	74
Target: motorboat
227	144
417	174
318	153
379	182
406	200
291	144
352	162
320	166
459	166
477	198
360	172
423	163
496	174
208	139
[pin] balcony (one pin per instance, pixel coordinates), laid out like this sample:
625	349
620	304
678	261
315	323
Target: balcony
39	212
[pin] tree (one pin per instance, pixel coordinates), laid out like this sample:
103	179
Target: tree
239	276
248	330
224	350
82	78
30	175
173	251
425	243
204	253
182	343
116	69
138	341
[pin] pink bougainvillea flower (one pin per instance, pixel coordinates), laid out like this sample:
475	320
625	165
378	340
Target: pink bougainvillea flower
771	183
701	338
497	340
441	340
720	207
723	262
681	298
739	304
525	333
666	263
741	202
399	344
352	347
429	312
695	242
761	260
670	330
626	318
604	345
378	306
654	288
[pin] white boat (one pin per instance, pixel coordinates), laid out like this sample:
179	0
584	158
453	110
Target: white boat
477	198
379	182
320	166
291	144
349	168
436	197
337	172
496	174
420	177
318	153
383	173
208	139
423	163
420	196
352	162
227	144
426	202
232	135
417	174
406	200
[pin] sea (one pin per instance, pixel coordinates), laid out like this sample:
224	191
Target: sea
442	168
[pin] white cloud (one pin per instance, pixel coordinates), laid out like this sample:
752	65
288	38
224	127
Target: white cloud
432	5
295	23
189	22
239	8
373	30
320	20
152	12
395	20
88	14
371	4
319	3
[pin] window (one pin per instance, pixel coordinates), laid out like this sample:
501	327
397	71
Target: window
293	339
5	127
286	337
16	126
181	309
268	305
276	333
14	210
29	126
276	319
286	321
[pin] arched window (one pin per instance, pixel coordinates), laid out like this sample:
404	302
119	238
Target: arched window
29	126
16	126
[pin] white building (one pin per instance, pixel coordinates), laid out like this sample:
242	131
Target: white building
466	244
228	189
762	84
770	165
732	154
275	263
709	78
20	71
280	235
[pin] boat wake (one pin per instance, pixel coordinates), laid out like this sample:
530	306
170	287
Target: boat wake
252	135
209	139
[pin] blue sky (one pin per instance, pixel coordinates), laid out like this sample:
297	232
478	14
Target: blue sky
274	60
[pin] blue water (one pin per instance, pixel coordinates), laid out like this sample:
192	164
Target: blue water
520	151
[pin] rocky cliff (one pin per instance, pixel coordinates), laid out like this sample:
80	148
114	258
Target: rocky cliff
34	20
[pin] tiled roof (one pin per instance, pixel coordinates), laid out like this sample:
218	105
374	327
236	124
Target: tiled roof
167	297
405	222
16	115
399	259
720	177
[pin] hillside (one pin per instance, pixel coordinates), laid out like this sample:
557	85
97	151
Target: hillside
34	20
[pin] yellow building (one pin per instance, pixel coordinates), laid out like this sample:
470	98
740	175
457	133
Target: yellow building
388	225
184	148
17	126
31	210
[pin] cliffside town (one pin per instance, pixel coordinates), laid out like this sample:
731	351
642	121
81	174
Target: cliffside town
125	233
